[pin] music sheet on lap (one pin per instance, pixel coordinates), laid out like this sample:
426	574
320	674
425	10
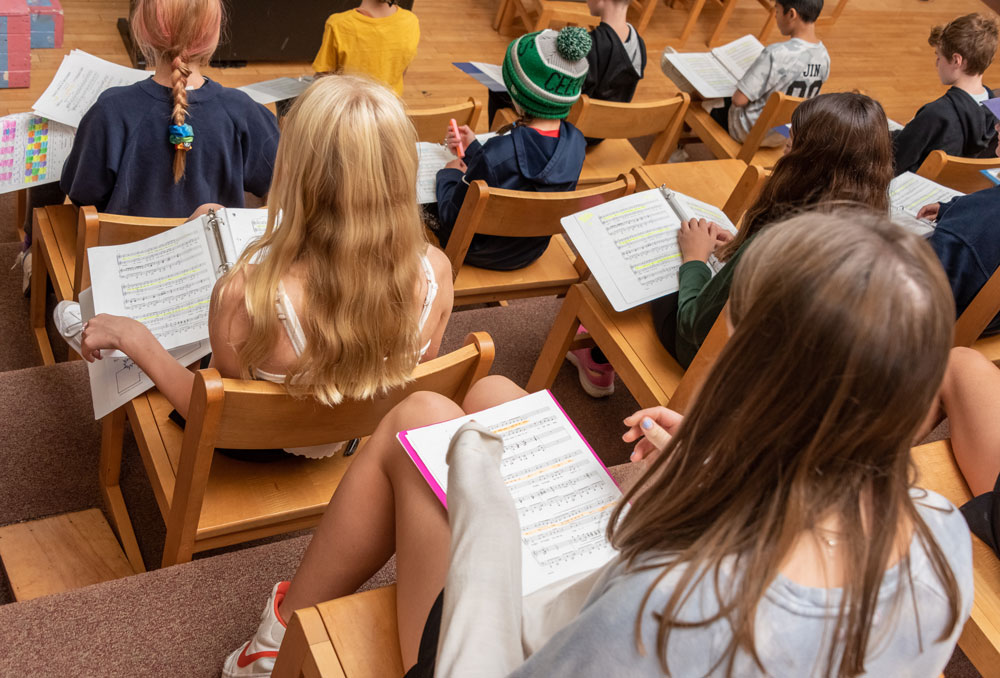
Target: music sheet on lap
165	282
739	55
431	159
909	192
563	494
245	226
706	74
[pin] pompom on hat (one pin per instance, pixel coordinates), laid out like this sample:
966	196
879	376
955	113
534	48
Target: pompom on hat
545	71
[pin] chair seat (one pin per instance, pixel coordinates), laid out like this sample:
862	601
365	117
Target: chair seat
552	273
989	347
608	160
289	492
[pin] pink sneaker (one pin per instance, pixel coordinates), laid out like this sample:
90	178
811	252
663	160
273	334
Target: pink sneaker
596	379
255	659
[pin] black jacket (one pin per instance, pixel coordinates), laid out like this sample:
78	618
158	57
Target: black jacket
955	124
522	160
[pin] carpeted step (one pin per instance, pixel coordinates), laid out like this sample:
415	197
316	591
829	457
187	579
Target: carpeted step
17	343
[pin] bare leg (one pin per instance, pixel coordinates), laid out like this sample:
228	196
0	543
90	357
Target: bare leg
969	397
383	505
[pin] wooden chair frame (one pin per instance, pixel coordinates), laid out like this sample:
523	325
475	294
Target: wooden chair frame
778	111
496	211
53	257
617	123
237	414
432	123
728	6
980	639
960	174
537	15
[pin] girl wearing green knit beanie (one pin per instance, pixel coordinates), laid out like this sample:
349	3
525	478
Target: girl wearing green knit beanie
544	73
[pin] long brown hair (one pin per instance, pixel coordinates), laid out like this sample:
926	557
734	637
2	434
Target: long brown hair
178	32
841	151
843	323
344	191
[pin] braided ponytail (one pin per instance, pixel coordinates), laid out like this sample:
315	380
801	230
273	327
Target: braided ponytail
180	135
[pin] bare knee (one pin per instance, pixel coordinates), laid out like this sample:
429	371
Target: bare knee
963	364
491	391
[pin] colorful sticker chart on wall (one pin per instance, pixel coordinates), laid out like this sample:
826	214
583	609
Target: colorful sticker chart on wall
33	151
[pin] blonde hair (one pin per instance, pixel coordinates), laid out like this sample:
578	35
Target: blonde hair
178	32
344	191
843	323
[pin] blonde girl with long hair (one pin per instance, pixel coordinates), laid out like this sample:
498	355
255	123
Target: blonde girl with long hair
342	295
776	532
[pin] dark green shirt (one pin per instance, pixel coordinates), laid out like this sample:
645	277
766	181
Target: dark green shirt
700	299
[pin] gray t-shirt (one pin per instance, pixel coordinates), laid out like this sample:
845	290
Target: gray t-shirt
795	67
793	625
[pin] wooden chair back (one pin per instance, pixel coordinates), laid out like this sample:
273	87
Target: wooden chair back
961	174
538	15
522	214
96	229
979	313
238	414
746	192
613	120
701	366
432	123
938	471
777	111
641	12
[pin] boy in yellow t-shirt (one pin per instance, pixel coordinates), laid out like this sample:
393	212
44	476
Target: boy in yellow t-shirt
378	39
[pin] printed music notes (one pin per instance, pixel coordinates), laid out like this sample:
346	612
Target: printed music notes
630	244
714	74
908	193
563	494
33	151
432	159
82	78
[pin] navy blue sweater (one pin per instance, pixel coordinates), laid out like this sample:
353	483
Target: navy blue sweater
522	160
122	161
967	241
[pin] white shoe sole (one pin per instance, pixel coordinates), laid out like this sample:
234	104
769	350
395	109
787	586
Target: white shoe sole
591	390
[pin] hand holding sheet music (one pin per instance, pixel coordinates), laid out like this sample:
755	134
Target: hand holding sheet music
432	158
909	192
563	494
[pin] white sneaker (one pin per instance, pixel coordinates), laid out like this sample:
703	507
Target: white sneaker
69	322
23	259
256	658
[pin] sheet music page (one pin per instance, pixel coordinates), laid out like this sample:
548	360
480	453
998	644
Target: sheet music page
993	175
563	494
241	227
279	89
739	55
909	192
490	75
33	151
432	159
705	73
116	380
79	81
630	245
165	282
894	126
697	209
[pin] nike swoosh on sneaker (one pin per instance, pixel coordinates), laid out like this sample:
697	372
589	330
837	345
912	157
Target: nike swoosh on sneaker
245	660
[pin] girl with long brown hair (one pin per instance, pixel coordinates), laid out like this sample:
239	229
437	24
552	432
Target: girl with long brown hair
776	532
166	145
840	151
342	295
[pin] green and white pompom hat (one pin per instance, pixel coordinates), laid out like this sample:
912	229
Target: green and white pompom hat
545	71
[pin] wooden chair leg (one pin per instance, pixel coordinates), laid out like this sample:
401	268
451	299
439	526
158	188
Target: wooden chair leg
692	21
556	345
307	651
39	290
112	436
837	12
768	26
727	13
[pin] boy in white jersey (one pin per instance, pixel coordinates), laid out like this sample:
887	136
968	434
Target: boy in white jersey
798	67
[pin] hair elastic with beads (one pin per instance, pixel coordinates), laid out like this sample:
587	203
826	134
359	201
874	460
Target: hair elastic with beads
181	137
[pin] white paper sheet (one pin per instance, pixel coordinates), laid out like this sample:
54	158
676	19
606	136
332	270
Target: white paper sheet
79	81
432	159
705	73
490	75
243	226
739	55
33	151
909	192
165	282
279	89
563	494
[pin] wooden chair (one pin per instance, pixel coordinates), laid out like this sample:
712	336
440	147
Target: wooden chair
432	123
628	339
961	174
537	15
977	316
728	6
350	637
53	258
980	640
496	211
21	211
616	123
641	13
208	500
